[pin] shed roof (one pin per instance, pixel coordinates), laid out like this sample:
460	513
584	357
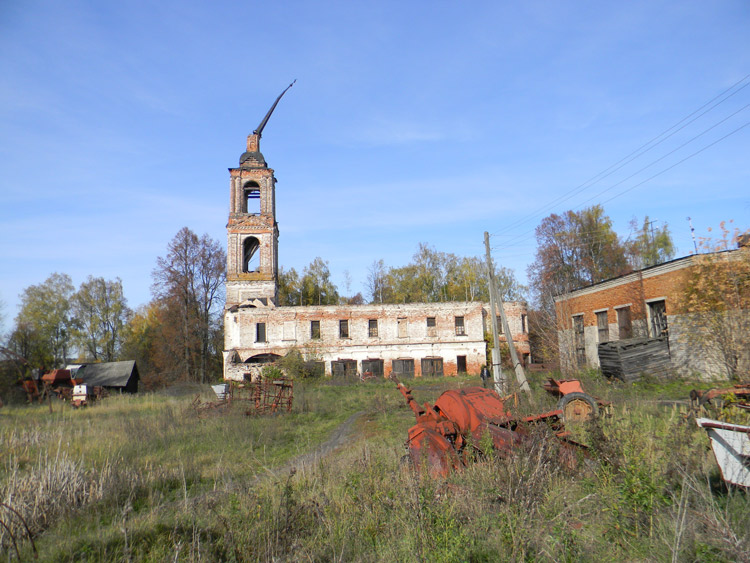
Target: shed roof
109	374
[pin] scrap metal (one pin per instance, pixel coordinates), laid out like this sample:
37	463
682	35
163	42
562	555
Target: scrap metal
460	417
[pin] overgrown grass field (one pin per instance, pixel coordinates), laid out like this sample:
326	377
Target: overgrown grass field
143	478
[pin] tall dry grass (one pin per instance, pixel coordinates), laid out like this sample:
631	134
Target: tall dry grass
142	480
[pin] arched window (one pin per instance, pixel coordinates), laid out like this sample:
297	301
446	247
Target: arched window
251	198
250	255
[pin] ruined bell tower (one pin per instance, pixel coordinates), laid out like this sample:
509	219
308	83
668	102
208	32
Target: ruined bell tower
252	230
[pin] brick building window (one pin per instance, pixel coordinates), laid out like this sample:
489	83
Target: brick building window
344	368
524	330
460	329
602	326
260	332
372	328
344	329
624	324
403	368
431	326
657	310
499	320
580	340
432	366
403	326
461	364
372	367
315	330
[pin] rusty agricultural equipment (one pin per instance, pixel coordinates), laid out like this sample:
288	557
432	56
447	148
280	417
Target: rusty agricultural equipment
265	396
741	393
461	417
270	395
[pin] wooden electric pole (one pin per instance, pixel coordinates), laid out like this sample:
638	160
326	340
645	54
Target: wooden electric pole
497	301
497	372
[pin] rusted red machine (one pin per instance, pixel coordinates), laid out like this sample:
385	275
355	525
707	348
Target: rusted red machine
463	416
740	391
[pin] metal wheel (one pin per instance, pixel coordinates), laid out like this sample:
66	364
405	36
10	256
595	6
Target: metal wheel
578	407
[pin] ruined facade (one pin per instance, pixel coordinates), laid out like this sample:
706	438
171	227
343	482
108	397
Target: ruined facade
408	339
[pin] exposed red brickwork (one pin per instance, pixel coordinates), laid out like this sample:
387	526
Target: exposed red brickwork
634	290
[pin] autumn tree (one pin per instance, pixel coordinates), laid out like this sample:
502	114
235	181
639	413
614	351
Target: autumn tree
43	329
575	249
649	245
715	305
316	285
376	283
289	289
99	311
188	283
434	276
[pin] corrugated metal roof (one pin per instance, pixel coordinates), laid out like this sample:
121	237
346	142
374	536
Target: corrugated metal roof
110	374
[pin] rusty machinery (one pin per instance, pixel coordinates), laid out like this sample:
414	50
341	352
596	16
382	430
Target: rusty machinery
460	417
264	396
741	393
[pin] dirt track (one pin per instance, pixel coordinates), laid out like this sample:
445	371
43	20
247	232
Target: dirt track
339	437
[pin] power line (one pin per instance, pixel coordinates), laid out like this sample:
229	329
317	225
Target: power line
614	167
526	236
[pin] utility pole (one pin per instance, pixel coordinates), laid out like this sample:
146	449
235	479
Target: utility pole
497	373
692	232
518	368
651	244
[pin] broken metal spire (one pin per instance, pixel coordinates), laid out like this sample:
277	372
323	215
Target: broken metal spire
259	130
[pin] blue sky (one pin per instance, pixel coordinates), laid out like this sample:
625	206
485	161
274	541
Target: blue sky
410	122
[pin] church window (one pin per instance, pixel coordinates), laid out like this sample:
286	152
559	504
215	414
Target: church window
251	198
260	332
250	255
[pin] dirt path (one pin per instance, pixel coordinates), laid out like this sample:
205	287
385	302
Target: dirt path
339	437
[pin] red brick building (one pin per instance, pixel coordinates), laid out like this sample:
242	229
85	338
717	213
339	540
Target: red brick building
641	305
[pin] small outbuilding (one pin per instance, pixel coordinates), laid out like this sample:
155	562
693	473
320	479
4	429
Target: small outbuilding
115	376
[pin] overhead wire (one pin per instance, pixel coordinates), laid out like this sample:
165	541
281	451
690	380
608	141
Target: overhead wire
638	152
524	236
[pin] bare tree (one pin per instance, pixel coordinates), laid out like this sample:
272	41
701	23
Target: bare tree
188	282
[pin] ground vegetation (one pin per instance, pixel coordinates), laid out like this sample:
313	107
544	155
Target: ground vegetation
144	478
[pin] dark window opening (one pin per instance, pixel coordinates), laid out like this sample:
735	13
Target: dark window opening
658	312
372	367
461	364
250	255
403	368
523	324
602	326
344	329
372	328
460	330
263	359
624	325
315	330
432	366
316	368
499	320
580	341
260	332
344	368
251	198
431	326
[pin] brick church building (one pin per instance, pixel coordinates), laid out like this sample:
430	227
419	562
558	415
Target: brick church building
406	339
